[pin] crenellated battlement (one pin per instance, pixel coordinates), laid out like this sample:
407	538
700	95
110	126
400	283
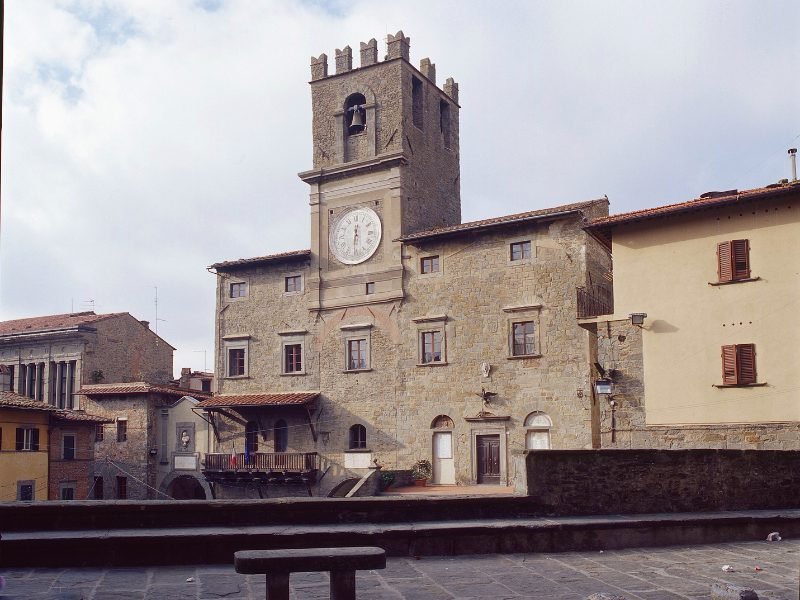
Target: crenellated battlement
398	45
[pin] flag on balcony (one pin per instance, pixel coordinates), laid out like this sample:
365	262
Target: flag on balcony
247	454
233	458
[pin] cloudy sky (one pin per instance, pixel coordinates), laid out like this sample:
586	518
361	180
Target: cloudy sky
144	140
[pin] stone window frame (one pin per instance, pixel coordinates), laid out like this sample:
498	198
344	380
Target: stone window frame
99	432
523	314
236	342
25	483
301	290
98	491
431	324
369	288
520	240
122	430
64	436
531	426
357	439
354	332
67	485
292	338
429	255
121	487
237	282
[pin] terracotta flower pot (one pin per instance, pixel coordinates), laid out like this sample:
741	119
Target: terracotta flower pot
420	482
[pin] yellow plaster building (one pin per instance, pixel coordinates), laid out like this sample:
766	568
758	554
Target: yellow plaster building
714	362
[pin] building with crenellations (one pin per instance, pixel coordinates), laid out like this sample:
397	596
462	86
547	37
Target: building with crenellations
402	333
711	361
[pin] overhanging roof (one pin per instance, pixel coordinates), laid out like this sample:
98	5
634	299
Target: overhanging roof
255	400
137	387
261	260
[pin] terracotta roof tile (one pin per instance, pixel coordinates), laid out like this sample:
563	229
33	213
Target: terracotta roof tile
275	399
50	322
14	400
137	387
706	201
270	258
79	417
500	221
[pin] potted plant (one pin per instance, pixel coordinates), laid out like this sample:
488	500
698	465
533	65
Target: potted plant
421	472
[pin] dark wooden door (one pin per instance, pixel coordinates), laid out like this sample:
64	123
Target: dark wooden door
488	459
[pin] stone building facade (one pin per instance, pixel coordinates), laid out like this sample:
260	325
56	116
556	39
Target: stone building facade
403	334
49	358
713	363
140	452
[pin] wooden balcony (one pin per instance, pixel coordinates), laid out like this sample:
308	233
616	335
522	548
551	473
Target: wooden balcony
262	467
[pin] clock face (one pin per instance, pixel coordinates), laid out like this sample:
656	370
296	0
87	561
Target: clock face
355	235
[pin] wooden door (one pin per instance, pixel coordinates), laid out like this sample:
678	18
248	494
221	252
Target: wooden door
488	455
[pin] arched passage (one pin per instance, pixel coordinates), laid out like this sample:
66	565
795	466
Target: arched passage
186	487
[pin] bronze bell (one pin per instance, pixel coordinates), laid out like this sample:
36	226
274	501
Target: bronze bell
357	124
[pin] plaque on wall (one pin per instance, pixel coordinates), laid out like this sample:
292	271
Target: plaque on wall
186	463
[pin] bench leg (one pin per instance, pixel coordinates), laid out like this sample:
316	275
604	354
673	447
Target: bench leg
343	585
277	586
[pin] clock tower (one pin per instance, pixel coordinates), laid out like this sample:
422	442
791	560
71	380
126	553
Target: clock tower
386	164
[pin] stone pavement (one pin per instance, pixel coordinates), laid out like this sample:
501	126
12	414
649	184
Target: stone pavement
672	573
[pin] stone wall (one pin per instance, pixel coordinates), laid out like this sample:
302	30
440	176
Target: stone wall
650	481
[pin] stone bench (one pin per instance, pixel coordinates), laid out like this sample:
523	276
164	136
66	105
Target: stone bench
342	563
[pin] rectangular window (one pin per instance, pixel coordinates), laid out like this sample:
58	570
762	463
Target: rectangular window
122	487
238	290
522	339
356	354
97	488
294	283
30	384
429	264
99	432
417	106
739	364
236	364
733	260
520	250
293	361
432	347
122	430
370	288
68	447
27	439
6	378
206	385
67	491
25	491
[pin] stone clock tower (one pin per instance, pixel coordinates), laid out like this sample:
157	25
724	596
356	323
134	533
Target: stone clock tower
386	164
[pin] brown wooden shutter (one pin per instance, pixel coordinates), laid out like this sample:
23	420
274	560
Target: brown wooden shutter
740	250
729	365
746	363
724	266
20	438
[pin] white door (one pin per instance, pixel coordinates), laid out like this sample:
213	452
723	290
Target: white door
444	470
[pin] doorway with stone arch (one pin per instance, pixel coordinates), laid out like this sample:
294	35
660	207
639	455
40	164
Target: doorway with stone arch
186	487
444	470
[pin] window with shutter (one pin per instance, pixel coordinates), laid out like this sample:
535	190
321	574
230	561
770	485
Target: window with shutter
739	364
733	260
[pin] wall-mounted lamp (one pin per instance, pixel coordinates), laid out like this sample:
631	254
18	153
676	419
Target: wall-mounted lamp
637	318
153	451
604	387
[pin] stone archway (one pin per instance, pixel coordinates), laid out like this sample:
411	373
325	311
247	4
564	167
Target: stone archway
182	486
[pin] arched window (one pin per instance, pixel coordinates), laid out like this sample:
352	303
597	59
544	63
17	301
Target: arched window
358	437
355	115
537	436
280	435
251	437
442	422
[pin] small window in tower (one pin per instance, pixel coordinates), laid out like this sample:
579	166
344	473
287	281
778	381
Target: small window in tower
444	122
417	107
355	114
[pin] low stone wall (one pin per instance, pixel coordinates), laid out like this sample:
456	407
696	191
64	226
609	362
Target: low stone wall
648	481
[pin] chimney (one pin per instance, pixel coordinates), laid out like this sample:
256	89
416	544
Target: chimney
145	323
793	161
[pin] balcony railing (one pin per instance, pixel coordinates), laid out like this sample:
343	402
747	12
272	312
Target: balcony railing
594	301
266	462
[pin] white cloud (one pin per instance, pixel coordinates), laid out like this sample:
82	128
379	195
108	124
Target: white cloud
146	140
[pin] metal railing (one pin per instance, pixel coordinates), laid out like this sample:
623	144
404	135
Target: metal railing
594	301
263	461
